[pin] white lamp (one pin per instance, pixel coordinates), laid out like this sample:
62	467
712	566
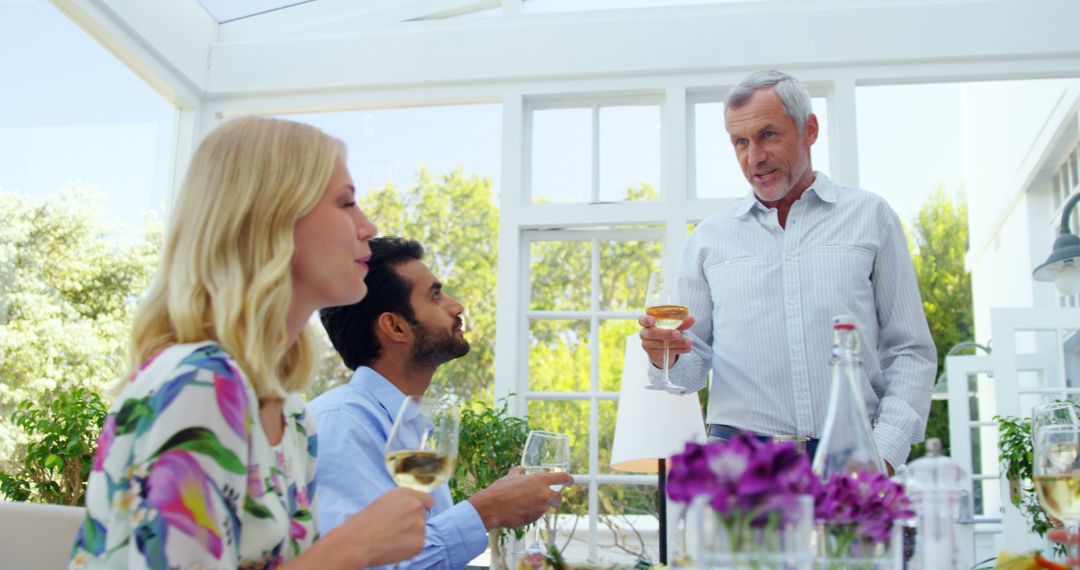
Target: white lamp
651	426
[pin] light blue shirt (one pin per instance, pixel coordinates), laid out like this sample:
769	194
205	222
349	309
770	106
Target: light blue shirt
763	298
353	422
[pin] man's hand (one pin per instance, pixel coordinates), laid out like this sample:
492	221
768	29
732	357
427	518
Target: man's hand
517	499
652	340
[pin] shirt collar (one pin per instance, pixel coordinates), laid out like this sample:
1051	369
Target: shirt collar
821	187
388	395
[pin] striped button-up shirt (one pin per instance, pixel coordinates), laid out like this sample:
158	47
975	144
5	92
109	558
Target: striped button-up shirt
763	298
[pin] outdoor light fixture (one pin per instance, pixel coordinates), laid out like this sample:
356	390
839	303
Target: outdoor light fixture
1063	265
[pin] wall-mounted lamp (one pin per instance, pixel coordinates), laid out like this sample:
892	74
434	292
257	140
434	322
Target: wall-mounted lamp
1063	266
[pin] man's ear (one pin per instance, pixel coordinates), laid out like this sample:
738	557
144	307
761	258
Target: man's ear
810	130
393	327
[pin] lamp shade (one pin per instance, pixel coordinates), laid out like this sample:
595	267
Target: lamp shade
650	425
1063	265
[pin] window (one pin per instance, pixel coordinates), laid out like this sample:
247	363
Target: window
597	153
88	122
587	288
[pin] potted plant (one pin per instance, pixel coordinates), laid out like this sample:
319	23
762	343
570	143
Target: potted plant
490	445
1017	457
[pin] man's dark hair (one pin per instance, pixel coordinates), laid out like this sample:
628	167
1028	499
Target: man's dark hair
352	328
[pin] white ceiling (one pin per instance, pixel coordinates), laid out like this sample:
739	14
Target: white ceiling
229	10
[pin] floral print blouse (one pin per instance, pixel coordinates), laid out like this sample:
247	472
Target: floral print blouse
184	476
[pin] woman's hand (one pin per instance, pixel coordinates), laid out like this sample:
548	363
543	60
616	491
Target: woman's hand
389	530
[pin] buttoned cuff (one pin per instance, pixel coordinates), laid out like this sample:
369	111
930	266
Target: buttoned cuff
893	444
463	531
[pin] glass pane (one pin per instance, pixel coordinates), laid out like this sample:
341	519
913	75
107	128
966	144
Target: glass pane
1070	345
628	523
559	356
412	149
606	427
73	116
984	450
570	417
613	336
981	400
629	153
717	171
987	497
1074	175
560	275
624	273
561	155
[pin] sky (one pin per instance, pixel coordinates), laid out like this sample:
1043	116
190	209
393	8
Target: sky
91	120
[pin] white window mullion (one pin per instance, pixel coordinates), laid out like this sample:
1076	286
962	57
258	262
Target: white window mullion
594	388
843	133
674	174
595	190
512	298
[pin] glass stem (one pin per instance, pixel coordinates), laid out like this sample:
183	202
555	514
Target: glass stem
1072	544
667	380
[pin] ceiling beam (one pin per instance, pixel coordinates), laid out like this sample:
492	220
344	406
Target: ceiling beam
699	39
337	18
166	43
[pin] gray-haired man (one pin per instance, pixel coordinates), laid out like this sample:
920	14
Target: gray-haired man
765	277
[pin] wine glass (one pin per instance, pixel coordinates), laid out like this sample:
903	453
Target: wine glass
1053	413
545	452
423	445
661	303
1057	473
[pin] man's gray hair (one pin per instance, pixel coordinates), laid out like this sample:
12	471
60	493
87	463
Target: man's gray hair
793	94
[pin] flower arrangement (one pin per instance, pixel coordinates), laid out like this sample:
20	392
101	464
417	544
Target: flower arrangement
755	487
859	513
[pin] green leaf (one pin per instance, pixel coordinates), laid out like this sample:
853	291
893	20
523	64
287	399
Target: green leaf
202	440
256	509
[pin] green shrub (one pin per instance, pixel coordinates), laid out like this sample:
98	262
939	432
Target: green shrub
54	463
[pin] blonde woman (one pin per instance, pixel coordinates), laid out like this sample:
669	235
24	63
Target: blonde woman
207	458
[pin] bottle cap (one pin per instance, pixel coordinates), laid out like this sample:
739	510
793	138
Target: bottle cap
843	322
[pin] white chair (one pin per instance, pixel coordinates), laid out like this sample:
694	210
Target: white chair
34	536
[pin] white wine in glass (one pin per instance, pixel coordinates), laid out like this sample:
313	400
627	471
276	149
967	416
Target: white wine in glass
423	445
1057	477
662	303
545	452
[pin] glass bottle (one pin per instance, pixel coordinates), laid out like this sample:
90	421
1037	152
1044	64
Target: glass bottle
847	442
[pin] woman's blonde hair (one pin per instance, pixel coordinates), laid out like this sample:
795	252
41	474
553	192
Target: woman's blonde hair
225	268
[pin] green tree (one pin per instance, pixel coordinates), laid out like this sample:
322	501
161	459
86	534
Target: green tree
68	289
938	240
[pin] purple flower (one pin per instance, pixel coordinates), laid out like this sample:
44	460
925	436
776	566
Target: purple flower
867	504
743	478
232	401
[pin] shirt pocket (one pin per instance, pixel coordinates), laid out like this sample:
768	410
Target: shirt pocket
733	280
844	273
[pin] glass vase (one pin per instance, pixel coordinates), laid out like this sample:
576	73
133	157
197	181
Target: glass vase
779	540
837	549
